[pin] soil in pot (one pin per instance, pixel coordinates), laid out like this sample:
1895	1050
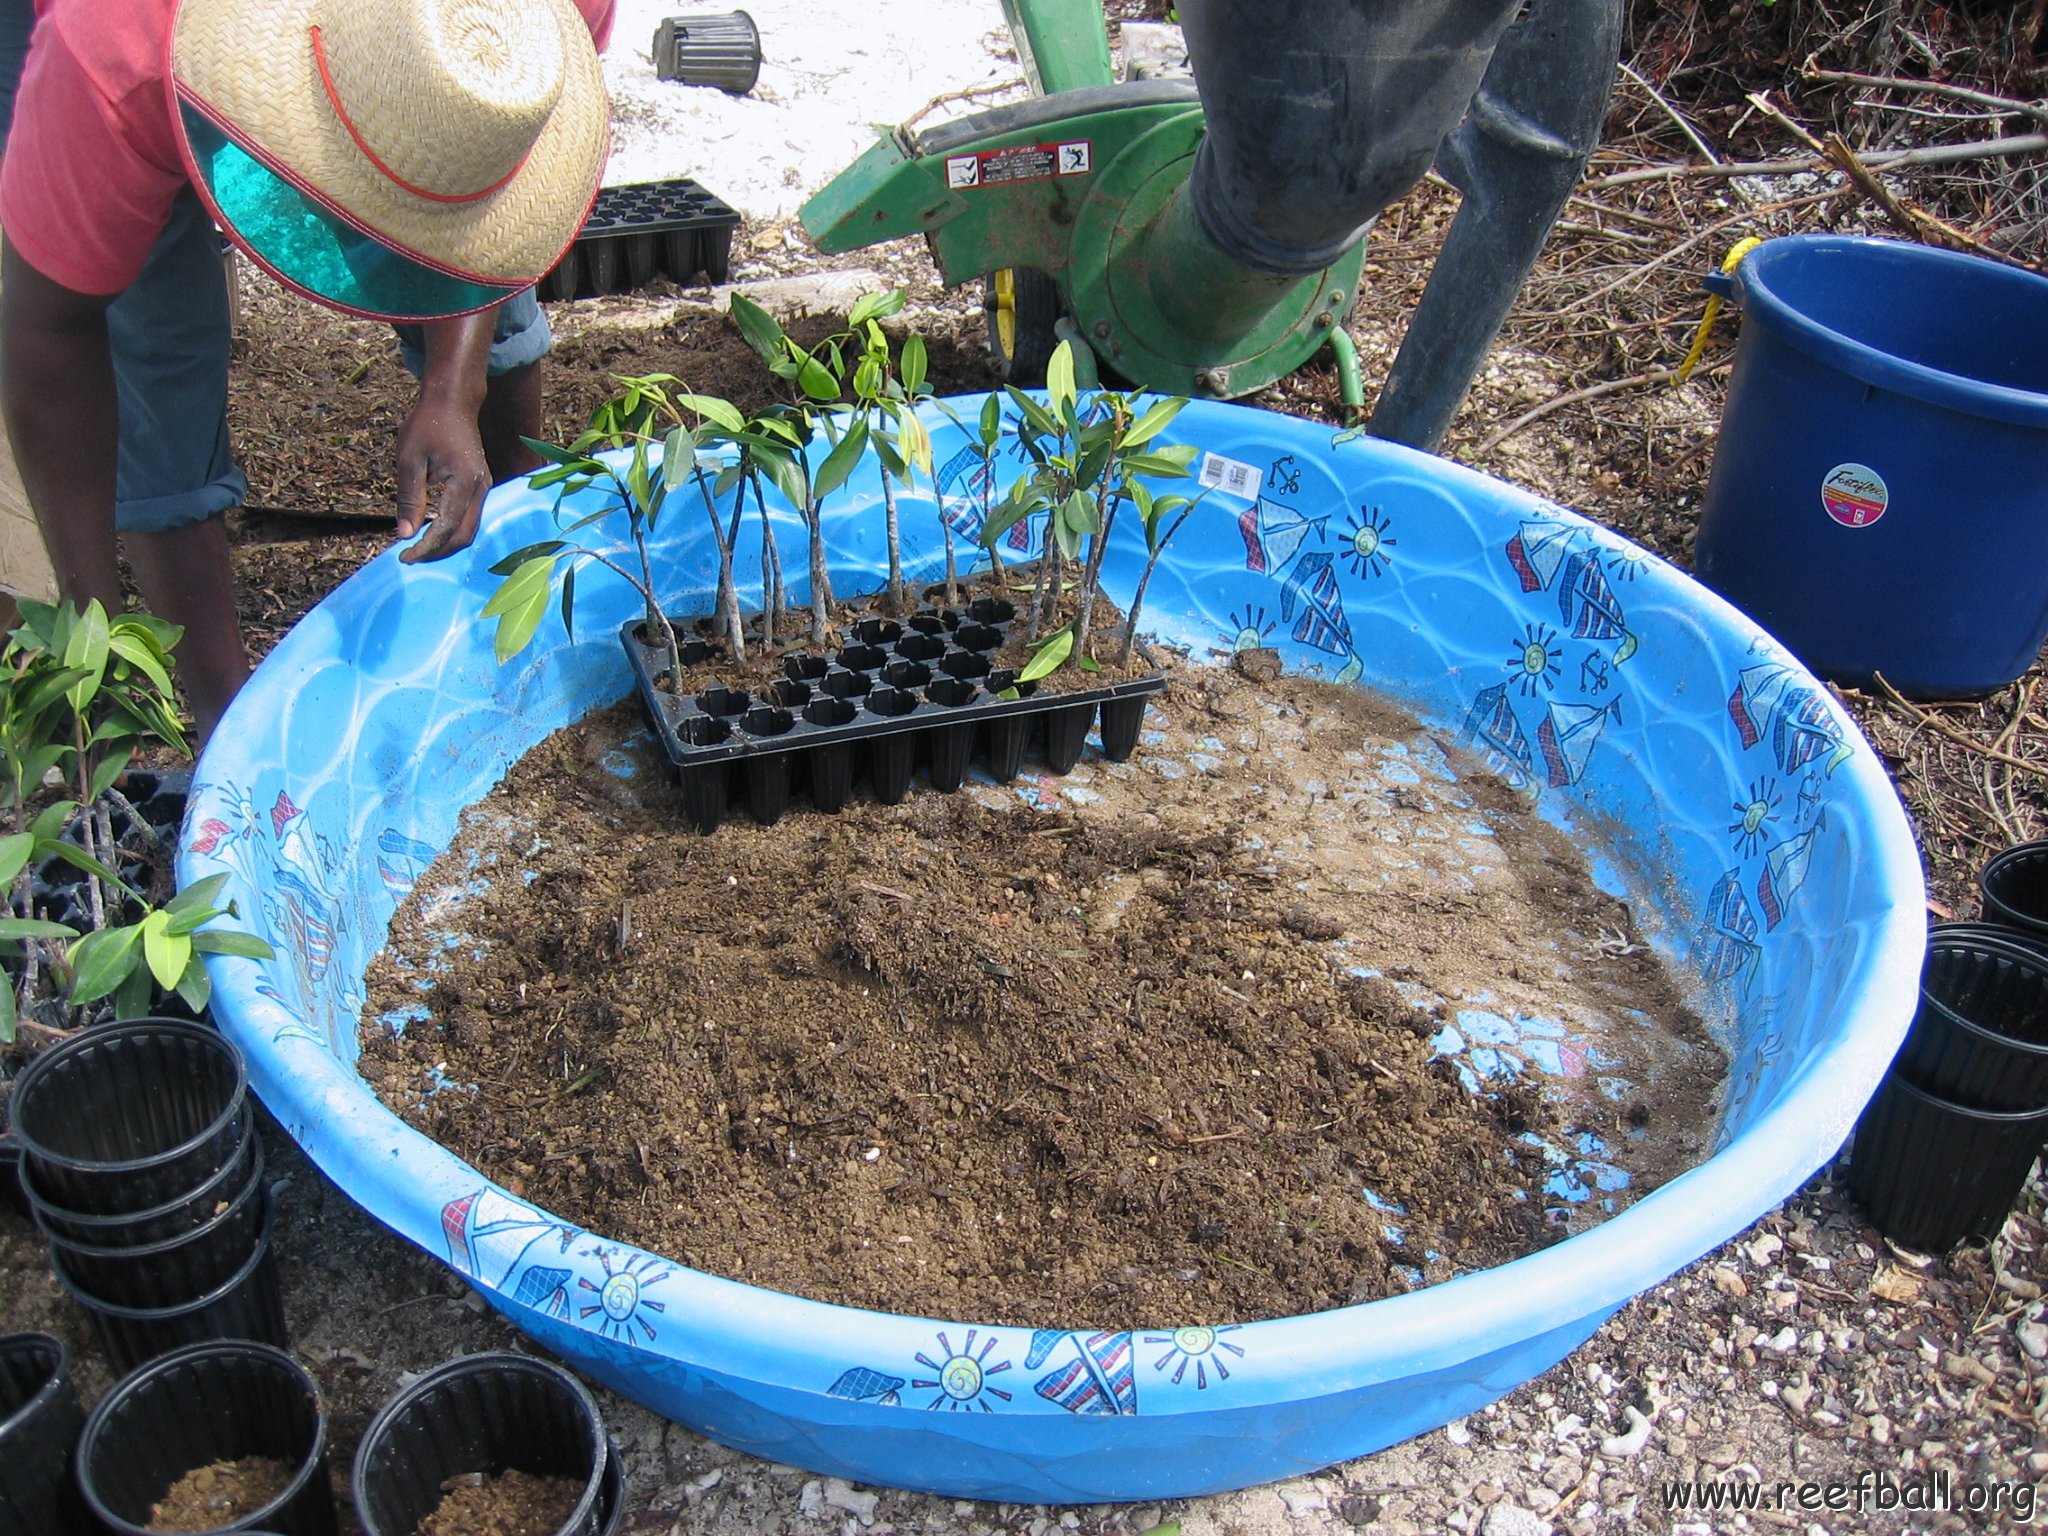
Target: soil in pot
215	1496
511	1503
1296	1007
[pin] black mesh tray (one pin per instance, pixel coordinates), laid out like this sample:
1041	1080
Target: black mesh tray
922	690
653	228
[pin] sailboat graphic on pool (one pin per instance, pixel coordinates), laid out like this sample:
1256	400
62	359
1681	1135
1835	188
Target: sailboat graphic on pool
1568	735
1490	725
1274	533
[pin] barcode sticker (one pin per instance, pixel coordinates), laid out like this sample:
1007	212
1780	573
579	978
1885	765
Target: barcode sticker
1231	476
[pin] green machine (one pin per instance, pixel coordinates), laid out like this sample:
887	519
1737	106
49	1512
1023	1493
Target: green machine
1206	237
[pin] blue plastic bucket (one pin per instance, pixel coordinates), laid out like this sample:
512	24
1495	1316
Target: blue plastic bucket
1879	499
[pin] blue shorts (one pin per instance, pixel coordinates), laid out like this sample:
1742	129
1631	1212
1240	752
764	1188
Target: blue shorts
171	335
522	337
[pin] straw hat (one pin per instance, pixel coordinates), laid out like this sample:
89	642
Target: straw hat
399	158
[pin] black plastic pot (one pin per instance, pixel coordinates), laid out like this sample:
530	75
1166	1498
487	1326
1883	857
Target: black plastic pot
611	1493
488	1414
124	1117
1066	732
179	1270
211	1402
249	1305
160	1224
39	1422
2014	883
719	51
1980	1034
12	1196
1932	1173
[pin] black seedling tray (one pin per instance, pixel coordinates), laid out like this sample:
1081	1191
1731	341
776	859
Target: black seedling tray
898	693
674	228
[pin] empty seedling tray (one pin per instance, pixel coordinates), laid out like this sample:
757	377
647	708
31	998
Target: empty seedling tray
923	689
673	228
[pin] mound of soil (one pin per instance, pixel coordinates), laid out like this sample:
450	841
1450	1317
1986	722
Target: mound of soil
1117	1050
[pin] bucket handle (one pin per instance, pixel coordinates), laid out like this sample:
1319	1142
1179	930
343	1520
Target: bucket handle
1720	287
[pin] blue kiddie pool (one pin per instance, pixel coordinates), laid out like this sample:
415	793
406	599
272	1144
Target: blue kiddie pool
1620	695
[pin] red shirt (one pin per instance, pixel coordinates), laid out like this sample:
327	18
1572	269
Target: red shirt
92	163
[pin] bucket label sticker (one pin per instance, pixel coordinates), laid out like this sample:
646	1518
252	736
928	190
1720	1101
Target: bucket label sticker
1023	162
1854	494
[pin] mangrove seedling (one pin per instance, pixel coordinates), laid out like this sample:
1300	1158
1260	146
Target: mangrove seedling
1089	456
661	427
80	693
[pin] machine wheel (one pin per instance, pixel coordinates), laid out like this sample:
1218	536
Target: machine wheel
1022	306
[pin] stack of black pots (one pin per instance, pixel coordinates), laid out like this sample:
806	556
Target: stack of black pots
1946	1144
141	1166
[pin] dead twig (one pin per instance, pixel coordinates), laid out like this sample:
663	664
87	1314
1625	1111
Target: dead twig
1882	160
1942	727
1580	396
2038	111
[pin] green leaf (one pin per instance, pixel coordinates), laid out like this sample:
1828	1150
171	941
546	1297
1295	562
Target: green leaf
841	461
785	471
1059	380
34	928
1155	420
867	378
230	941
991	421
167	953
110	768
917	442
1089	664
49	822
569	602
551	453
15	849
515	590
78	858
8	1025
678	458
912	363
101	961
1078	513
816	380
519	605
722	413
1052	650
873	306
136	993
757	326
141	654
1036	416
195	986
519	557
197	898
1160	466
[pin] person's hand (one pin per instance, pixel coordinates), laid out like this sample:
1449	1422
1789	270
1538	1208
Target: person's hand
439	450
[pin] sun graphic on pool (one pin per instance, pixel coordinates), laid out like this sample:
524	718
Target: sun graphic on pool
621	1301
1201	1348
962	1375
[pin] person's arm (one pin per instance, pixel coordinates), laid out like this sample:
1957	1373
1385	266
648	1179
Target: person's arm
57	393
439	444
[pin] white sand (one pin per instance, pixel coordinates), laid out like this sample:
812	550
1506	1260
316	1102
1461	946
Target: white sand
831	72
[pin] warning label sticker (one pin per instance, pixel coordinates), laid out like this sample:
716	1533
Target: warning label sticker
1022	162
1855	495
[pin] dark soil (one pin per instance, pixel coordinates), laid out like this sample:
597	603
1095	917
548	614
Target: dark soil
513	1503
218	1495
963	1057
